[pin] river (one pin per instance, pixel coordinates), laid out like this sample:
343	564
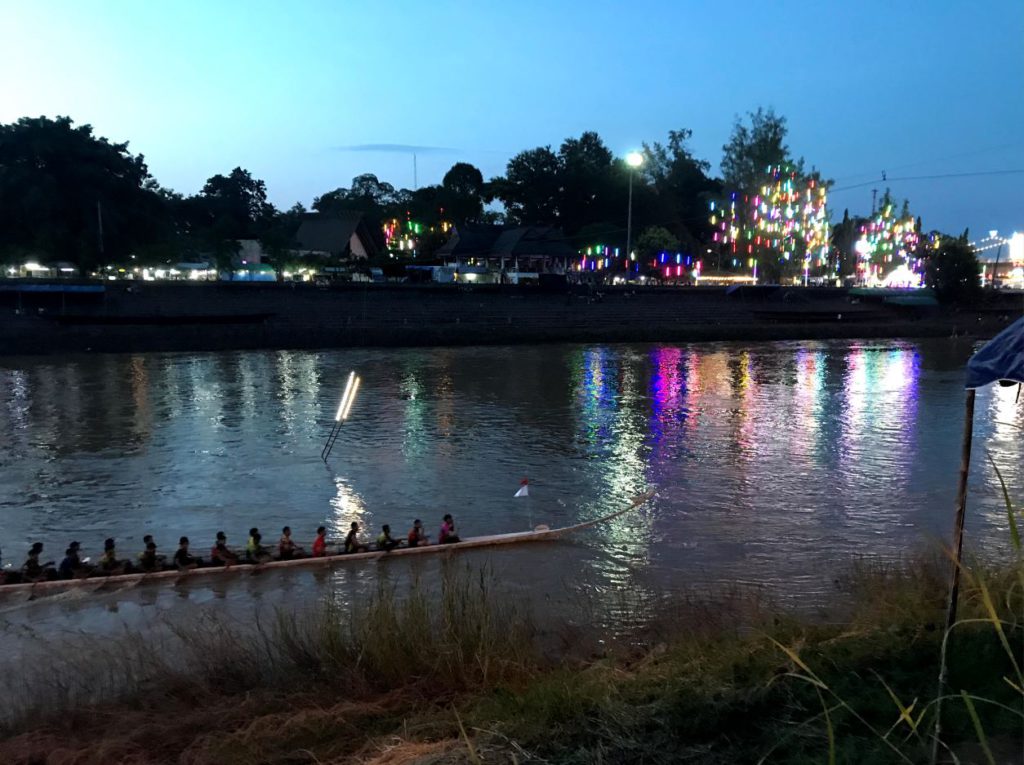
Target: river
774	463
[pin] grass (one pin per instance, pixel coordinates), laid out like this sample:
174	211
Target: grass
460	676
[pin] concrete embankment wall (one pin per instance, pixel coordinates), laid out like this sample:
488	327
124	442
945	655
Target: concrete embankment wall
305	316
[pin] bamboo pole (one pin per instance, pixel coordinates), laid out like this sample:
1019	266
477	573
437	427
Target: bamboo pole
957	552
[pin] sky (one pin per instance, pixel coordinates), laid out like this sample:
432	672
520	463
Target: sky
286	90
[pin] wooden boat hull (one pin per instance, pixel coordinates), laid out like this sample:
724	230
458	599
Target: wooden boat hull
539	534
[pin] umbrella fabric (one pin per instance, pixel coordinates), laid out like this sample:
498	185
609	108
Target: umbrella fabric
1002	358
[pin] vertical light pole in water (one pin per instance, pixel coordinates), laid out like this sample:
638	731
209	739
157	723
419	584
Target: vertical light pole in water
634	159
343	409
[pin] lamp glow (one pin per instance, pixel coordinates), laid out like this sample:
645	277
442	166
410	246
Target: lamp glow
344	397
634	159
351	398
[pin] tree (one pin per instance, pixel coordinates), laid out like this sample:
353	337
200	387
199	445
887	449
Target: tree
370	195
654	241
887	240
237	204
773	214
463	193
331	202
278	238
681	188
844	236
66	193
589	186
229	208
953	270
752	150
530	189
464	179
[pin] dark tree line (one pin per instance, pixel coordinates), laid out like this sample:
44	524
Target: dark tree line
67	194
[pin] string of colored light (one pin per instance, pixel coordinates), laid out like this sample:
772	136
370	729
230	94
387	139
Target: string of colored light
887	242
601	257
786	219
398	236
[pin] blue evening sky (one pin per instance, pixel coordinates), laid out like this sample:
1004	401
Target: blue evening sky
912	88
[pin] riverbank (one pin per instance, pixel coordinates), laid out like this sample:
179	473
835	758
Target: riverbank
467	678
129	317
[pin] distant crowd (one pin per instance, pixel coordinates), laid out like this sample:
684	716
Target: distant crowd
150	560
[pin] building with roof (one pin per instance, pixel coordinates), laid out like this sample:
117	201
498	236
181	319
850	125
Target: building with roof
348	236
539	249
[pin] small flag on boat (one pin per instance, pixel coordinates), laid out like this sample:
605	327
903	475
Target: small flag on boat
524	489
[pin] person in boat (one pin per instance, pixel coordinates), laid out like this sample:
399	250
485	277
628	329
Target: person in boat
448	534
183	560
149	561
320	543
417	537
34	570
72	566
109	564
146	542
352	544
255	552
385	541
286	548
221	554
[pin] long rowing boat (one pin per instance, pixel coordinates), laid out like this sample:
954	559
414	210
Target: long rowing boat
538	534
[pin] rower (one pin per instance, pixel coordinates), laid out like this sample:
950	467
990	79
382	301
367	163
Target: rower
72	566
286	548
109	564
146	542
385	541
417	536
149	561
33	570
320	543
352	544
220	553
448	534
254	551
183	561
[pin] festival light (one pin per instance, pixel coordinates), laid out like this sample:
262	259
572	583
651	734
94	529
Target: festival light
787	219
887	242
406	237
902	277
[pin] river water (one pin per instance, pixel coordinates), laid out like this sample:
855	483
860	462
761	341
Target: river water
774	463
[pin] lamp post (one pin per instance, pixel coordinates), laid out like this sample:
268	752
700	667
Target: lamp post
634	159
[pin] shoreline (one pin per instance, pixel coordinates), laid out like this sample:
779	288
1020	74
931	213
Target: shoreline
224	317
710	680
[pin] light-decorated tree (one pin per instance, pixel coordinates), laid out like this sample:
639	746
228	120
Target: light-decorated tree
887	248
773	218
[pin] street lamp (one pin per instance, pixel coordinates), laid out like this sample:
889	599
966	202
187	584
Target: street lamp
634	159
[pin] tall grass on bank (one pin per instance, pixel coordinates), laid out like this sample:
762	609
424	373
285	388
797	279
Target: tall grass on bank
455	675
982	652
328	665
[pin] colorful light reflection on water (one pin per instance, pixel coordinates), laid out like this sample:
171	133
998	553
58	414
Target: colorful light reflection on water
775	462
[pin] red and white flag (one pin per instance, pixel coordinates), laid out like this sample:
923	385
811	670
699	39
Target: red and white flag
524	489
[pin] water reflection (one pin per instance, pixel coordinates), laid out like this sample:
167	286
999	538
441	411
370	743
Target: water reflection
347	506
773	461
